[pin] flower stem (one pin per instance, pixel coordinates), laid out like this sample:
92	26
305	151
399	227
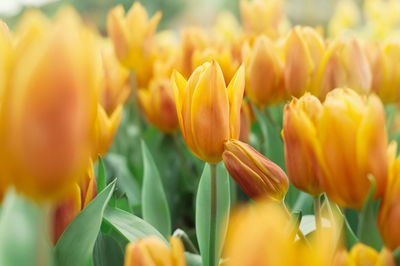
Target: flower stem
213	226
299	233
317	212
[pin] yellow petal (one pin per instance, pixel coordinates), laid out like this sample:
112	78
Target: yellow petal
235	94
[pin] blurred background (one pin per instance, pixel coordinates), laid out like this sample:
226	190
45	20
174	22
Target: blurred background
175	12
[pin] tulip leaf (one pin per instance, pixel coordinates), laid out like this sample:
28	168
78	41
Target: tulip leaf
211	244
304	202
23	238
129	225
367	230
76	244
101	176
107	252
154	202
193	259
396	255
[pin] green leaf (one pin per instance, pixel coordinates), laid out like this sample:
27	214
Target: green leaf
101	179
107	252
396	255
154	202
193	259
129	225
367	230
203	214
75	245
304	202
23	239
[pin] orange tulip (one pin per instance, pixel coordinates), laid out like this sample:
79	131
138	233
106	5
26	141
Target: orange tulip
208	111
152	251
255	174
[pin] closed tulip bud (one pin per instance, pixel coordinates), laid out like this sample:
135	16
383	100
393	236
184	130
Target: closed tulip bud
385	70
77	200
304	49
158	105
116	86
300	119
353	140
208	111
264	74
389	209
361	255
106	127
49	110
255	174
261	16
153	251
344	64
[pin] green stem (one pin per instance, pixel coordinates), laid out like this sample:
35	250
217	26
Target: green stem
317	213
299	232
213	229
134	102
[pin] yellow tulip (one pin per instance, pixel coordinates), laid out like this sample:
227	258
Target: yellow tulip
346	15
158	105
352	136
116	86
106	127
255	174
261	16
362	255
264	73
49	110
300	119
77	199
304	49
389	210
132	36
152	251
260	234
344	64
208	111
385	70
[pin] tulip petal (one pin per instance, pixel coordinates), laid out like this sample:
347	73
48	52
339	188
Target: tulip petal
235	94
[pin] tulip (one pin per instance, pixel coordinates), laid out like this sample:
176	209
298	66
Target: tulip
77	200
261	16
361	255
385	70
389	209
255	174
250	227
346	16
264	76
158	105
344	64
132	37
304	49
300	119
152	251
49	110
106	127
247	117
116	86
352	137
208	111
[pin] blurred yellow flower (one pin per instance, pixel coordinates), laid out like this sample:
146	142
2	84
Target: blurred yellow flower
153	251
208	111
362	255
346	15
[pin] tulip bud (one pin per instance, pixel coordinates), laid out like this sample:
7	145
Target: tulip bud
208	111
344	64
304	49
246	119
361	254
352	137
106	127
261	16
77	200
389	209
300	119
264	76
152	251
49	110
116	86
158	105
255	174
